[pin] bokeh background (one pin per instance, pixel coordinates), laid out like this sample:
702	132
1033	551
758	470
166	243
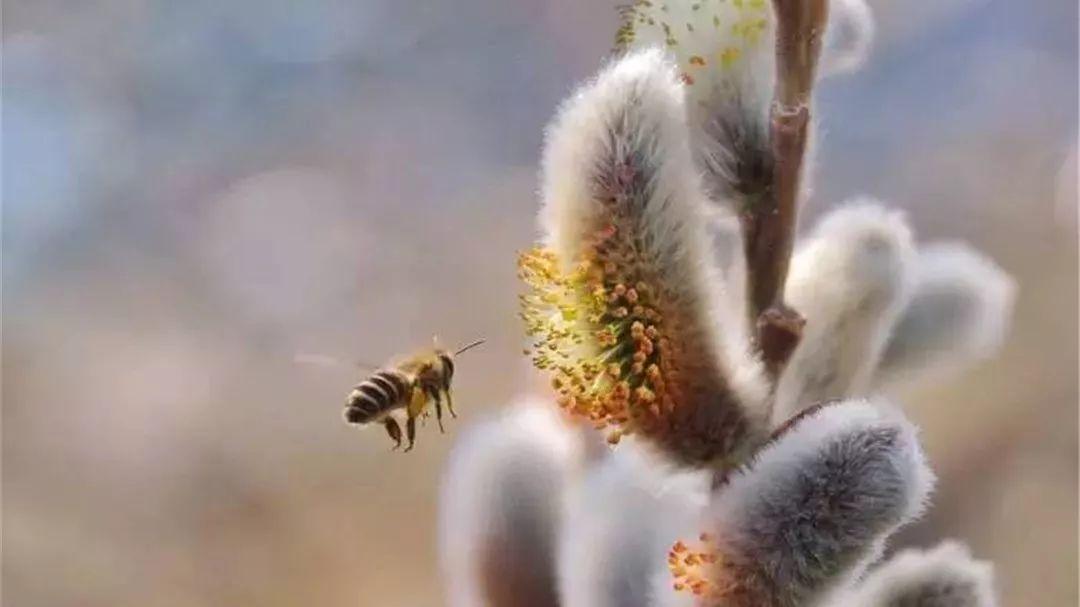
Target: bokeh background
195	191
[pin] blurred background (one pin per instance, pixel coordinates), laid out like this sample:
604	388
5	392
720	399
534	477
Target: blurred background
195	191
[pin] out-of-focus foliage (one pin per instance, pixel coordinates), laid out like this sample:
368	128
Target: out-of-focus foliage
194	191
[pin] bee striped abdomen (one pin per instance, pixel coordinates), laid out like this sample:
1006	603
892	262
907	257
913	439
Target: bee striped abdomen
379	394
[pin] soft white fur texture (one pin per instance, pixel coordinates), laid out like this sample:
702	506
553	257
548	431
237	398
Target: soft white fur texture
848	38
628	511
633	111
706	29
725	52
728	252
502	496
850	280
945	576
814	508
749	77
960	312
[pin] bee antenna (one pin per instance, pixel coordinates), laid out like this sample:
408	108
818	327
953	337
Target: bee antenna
470	346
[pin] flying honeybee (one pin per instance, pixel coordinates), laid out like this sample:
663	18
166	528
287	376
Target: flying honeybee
409	385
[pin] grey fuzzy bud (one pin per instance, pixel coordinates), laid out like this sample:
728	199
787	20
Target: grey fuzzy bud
848	37
502	499
850	280
945	576
959	312
621	520
815	506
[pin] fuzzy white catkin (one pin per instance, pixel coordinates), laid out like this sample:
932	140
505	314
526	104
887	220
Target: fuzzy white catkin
945	576
814	507
622	519
850	280
727	246
726	50
723	50
959	312
725	54
631	117
634	106
501	505
848	37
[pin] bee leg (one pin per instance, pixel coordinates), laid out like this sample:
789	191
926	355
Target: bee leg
394	430
410	433
450	404
434	392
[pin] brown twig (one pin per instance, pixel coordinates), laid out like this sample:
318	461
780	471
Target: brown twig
769	225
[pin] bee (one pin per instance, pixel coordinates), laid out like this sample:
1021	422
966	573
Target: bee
409	385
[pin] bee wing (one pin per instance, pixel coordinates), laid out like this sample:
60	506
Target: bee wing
324	360
307	358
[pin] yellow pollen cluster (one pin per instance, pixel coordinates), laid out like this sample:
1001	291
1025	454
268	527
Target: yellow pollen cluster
692	568
598	331
741	22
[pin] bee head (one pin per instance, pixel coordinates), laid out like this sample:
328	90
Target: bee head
447	366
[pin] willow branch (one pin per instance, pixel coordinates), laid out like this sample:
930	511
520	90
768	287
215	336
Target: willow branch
769	226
